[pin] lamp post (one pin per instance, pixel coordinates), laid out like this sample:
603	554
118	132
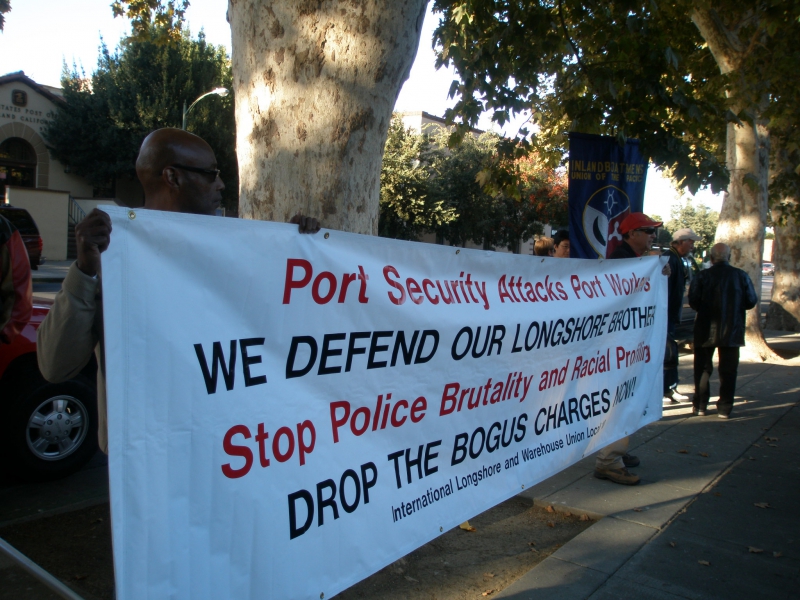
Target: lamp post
220	91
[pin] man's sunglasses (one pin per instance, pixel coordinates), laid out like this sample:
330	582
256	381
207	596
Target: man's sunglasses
212	173
647	230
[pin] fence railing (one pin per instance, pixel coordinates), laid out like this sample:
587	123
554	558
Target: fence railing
76	213
38	572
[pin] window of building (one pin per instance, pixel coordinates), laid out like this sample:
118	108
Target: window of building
17	163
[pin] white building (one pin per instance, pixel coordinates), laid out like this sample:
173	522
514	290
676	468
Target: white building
31	177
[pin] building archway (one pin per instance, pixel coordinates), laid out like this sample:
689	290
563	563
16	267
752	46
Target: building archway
23	157
17	163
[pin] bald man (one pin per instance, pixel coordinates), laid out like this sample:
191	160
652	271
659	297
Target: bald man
721	295
178	172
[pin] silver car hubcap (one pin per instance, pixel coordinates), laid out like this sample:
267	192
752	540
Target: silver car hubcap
57	428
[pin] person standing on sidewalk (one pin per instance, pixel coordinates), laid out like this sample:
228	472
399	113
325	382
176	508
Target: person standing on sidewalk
178	171
682	244
721	296
638	233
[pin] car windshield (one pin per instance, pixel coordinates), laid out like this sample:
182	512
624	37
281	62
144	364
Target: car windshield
21	220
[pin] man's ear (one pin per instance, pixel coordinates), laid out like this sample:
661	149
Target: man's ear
170	178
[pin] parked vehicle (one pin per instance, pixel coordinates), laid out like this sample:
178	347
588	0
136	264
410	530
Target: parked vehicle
767	269
48	430
28	231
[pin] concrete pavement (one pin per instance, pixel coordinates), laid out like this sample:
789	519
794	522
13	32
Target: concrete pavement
53	271
725	493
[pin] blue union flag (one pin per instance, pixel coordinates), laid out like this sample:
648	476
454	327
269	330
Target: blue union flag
606	183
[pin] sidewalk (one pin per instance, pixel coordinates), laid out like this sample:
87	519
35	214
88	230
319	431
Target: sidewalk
51	271
703	479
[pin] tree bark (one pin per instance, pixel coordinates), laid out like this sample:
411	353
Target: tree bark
744	215
744	207
315	82
784	309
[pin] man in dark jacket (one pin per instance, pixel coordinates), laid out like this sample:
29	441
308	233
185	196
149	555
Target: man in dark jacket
721	296
682	244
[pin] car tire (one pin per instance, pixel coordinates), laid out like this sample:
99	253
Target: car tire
51	428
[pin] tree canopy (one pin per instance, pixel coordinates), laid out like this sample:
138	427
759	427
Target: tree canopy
161	20
708	87
620	68
408	208
5	6
143	86
427	186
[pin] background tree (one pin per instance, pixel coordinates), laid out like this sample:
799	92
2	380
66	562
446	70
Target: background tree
546	189
783	116
541	198
140	87
639	69
753	45
615	68
733	36
315	84
5	6
700	219
426	186
407	209
454	182
153	19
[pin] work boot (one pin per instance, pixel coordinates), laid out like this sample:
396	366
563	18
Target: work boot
630	461
622	476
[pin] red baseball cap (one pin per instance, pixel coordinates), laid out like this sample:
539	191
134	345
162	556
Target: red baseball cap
637	220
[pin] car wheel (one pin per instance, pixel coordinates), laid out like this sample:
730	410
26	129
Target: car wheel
52	430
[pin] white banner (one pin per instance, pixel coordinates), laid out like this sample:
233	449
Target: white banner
290	413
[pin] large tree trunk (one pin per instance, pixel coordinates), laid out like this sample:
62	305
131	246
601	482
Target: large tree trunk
744	215
744	207
315	83
784	310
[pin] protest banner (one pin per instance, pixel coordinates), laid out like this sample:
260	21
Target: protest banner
290	413
606	183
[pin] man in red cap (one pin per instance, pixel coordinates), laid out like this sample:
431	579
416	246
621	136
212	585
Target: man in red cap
638	233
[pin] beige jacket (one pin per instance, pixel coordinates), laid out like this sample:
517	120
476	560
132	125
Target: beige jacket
72	330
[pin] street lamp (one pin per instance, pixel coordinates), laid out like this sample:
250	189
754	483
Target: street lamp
220	91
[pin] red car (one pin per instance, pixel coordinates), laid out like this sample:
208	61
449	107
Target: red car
48	430
28	231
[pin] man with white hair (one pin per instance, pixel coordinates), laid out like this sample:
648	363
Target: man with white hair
721	296
682	244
